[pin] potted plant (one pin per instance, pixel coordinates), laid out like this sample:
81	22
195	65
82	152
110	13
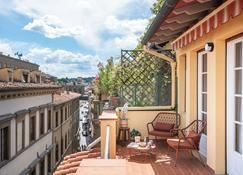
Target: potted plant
135	135
123	117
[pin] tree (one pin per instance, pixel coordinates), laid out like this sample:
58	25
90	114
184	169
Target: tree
154	10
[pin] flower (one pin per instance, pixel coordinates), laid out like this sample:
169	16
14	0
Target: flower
124	111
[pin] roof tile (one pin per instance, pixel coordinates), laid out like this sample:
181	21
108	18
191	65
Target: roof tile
71	162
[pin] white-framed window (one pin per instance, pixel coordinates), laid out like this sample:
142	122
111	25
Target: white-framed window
202	86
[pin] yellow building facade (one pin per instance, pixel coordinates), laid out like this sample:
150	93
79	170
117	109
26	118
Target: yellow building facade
187	72
209	57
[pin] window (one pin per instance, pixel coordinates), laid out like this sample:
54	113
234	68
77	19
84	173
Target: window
25	78
49	162
202	87
61	146
4	144
32	128
10	76
42	121
38	79
23	133
61	115
42	166
69	135
20	135
49	120
66	113
65	141
57	152
56	118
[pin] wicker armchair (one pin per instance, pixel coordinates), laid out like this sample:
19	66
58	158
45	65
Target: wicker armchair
189	138
164	125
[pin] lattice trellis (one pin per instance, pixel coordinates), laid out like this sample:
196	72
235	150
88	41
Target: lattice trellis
145	79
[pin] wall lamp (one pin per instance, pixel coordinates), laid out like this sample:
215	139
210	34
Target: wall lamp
209	46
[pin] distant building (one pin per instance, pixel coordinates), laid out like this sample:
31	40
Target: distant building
47	78
78	88
17	70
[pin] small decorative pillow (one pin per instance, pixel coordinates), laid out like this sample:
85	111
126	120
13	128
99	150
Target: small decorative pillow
163	126
194	138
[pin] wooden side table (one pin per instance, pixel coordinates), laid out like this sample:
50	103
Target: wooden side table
125	132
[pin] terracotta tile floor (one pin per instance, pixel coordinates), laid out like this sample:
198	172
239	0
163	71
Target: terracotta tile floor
163	163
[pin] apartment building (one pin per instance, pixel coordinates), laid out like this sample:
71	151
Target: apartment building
65	124
25	128
29	134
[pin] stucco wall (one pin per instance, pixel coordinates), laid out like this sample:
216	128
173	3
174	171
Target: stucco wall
13	105
16	165
139	119
216	143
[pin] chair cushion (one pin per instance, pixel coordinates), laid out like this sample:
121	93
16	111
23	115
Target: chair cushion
159	126
160	133
183	144
194	138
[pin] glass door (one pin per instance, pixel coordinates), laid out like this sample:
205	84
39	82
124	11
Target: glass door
202	97
234	107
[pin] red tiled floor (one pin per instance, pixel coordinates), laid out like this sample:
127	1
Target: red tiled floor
163	163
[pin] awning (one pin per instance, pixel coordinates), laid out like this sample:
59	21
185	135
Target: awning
176	17
218	17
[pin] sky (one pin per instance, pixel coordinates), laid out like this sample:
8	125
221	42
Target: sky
68	38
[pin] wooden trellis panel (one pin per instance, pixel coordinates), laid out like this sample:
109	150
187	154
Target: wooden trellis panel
146	79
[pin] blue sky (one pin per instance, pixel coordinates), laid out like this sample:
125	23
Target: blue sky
68	38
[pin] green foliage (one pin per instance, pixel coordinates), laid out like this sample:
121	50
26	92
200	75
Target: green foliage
157	6
108	82
134	133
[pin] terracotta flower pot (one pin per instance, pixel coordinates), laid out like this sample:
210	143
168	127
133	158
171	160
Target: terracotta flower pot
123	123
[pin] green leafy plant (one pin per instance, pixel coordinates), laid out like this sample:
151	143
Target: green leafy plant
107	83
134	133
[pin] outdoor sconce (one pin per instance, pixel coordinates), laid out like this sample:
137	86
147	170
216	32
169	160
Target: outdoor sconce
209	46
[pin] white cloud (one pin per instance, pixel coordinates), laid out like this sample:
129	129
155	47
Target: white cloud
63	63
51	27
102	26
125	26
57	62
5	48
83	20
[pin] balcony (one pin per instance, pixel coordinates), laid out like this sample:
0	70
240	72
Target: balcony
114	159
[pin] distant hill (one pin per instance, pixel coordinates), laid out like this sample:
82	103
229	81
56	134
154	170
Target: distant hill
88	79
